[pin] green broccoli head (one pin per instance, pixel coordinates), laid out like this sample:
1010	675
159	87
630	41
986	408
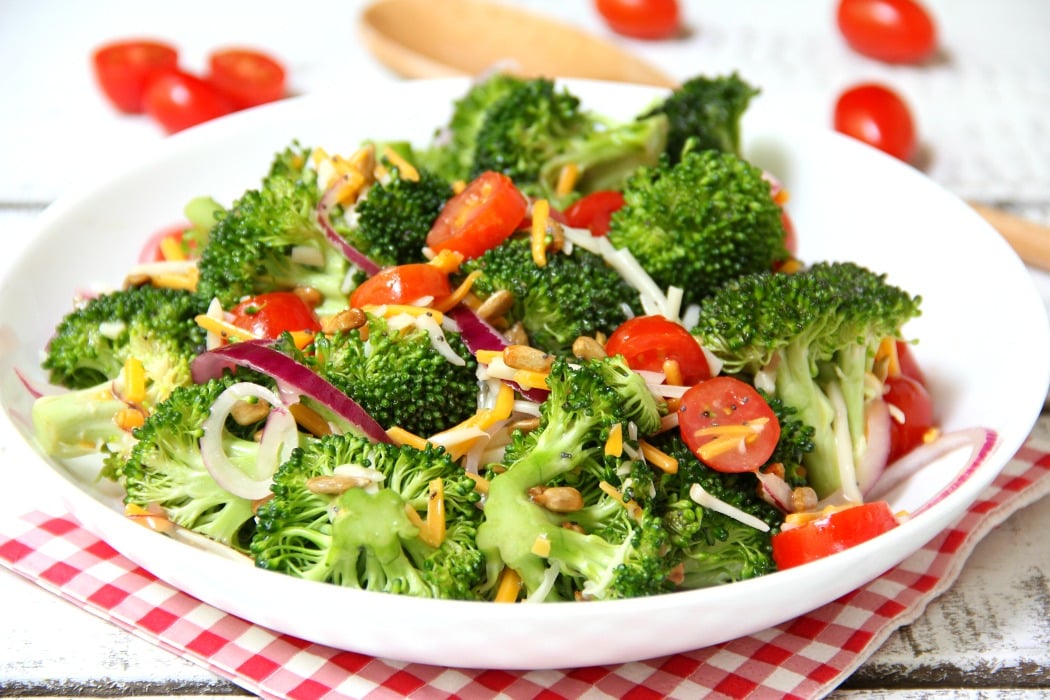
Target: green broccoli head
700	222
166	466
155	325
810	338
270	240
451	154
705	112
392	220
713	548
398	375
602	550
574	294
339	514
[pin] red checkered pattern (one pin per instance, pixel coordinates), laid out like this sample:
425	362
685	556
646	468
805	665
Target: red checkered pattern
803	658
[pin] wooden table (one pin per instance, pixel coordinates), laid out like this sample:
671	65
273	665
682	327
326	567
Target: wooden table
982	113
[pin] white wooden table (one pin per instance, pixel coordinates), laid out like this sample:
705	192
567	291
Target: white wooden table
982	112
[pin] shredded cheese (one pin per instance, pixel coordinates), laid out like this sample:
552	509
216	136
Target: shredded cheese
568	176
134	381
459	293
658	458
402	437
223	328
171	248
614	443
729	437
408	171
541	211
509	586
433	530
541	546
630	504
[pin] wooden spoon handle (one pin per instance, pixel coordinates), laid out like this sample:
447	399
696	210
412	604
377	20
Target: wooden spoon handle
1030	240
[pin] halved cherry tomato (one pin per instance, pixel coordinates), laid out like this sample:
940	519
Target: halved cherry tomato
271	314
153	250
124	68
179	100
646	342
402	284
728	425
879	117
641	19
594	210
247	76
894	31
911	414
480	217
839	530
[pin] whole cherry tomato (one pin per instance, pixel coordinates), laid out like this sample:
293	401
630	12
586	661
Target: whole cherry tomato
641	19
179	100
879	117
247	76
124	68
894	31
271	314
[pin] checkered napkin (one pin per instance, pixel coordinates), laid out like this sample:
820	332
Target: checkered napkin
803	658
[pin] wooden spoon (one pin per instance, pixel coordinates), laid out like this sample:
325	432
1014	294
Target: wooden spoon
441	38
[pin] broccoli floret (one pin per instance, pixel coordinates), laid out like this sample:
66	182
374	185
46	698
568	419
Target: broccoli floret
530	129
713	548
621	555
270	240
573	294
397	374
706	111
92	344
166	466
451	154
392	220
339	515
699	223
810	339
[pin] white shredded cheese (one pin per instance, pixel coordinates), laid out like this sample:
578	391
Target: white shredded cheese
702	497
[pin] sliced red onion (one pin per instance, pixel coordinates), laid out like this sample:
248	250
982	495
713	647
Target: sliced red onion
981	441
775	491
351	253
870	466
37	389
478	334
262	357
279	437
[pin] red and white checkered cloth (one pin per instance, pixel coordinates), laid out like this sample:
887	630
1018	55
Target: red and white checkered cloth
804	658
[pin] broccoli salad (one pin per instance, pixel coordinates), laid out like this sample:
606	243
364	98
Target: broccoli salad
545	356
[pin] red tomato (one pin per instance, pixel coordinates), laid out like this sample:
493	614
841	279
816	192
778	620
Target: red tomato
270	314
480	217
178	100
593	211
879	117
646	342
915	416
248	77
402	284
124	68
641	19
831	533
908	364
895	31
728	425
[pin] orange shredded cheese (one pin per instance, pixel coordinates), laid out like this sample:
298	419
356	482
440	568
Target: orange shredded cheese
509	586
129	419
310	419
134	380
433	531
408	171
224	329
541	211
568	176
887	351
630	504
187	280
402	437
541	546
459	293
659	459
673	372
728	437
447	261
171	248
614	443
389	310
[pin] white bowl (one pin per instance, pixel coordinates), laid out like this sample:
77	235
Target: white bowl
983	343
